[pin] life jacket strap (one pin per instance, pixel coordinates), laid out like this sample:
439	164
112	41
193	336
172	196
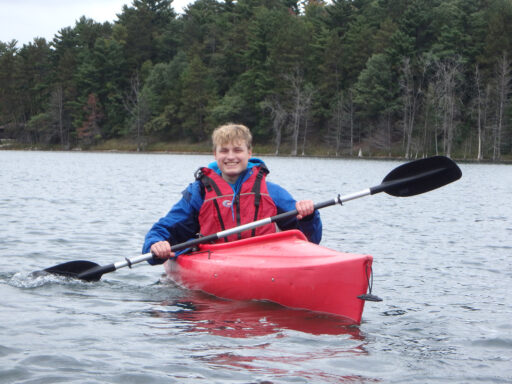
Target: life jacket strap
210	185
256	189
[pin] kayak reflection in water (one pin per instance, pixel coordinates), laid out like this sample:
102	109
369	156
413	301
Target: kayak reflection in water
199	312
230	192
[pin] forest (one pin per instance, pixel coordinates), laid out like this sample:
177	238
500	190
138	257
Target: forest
376	78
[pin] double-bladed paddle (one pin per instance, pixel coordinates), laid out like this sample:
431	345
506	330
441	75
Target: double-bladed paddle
409	179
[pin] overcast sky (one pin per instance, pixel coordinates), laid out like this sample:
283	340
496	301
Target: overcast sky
25	19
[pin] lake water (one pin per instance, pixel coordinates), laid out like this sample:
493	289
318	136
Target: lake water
442	264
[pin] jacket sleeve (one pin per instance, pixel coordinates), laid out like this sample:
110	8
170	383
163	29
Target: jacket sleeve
311	225
181	222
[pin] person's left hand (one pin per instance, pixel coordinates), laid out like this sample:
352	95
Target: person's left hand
304	208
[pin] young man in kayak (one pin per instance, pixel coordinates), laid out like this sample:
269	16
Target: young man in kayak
231	191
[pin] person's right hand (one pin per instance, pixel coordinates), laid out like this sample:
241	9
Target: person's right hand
162	250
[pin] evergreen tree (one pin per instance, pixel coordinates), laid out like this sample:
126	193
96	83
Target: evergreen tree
162	90
10	76
358	48
237	60
198	98
144	30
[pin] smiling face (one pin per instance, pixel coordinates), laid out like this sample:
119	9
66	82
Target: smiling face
232	159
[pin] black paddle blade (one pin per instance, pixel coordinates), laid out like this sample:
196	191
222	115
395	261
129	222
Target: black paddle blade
72	268
419	176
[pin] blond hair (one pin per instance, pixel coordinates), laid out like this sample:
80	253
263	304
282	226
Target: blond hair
230	134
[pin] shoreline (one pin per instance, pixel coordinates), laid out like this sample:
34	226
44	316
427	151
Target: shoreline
255	153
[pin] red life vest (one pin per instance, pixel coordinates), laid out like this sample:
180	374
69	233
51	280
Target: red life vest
223	210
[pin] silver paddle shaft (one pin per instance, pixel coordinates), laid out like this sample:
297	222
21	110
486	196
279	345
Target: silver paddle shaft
133	260
245	227
353	196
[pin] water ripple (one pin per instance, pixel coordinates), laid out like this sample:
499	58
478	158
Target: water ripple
441	264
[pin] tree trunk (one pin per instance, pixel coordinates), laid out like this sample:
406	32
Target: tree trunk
411	93
446	79
302	97
135	103
279	117
503	90
479	113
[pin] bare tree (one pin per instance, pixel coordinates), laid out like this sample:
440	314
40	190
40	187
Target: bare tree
487	101
503	77
296	81
279	117
137	105
350	113
341	125
482	101
301	95
337	122
57	111
407	86
306	109
446	85
431	118
412	90
305	135
479	112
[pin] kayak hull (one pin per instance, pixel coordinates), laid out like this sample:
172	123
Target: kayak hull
283	268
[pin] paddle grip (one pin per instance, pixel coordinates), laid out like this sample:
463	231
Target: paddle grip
328	203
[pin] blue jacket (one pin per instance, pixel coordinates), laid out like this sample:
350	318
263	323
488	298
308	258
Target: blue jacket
181	223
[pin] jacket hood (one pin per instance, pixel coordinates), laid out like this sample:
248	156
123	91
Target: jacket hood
253	162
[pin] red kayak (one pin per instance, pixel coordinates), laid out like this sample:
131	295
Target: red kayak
283	268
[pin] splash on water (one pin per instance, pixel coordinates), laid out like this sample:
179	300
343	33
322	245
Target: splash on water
38	279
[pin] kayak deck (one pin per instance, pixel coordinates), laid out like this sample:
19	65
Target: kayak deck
283	268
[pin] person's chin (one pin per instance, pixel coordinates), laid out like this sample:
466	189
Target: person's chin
232	169
232	172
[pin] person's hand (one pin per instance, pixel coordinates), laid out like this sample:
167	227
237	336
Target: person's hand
162	250
304	208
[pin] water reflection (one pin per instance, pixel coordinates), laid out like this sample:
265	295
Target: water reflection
199	312
265	339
